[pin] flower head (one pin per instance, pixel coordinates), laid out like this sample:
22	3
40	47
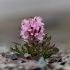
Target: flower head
32	29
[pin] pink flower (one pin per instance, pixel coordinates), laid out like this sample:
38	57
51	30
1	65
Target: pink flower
32	28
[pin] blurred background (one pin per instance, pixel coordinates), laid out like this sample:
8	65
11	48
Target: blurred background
55	14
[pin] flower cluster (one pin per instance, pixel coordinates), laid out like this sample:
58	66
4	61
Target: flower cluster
32	29
35	42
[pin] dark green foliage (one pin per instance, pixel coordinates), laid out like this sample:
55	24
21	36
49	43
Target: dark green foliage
36	48
16	49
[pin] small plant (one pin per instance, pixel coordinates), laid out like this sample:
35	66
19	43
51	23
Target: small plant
35	42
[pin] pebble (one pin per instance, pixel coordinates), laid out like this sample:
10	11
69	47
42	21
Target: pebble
15	56
12	65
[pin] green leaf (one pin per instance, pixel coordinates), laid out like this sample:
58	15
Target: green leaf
23	50
17	49
15	43
48	39
12	49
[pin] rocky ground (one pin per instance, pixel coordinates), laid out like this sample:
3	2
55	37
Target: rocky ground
15	61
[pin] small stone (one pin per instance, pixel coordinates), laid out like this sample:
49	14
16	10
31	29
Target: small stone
42	62
53	65
20	67
59	67
15	56
23	60
30	65
66	67
3	65
3	59
55	58
11	65
63	63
